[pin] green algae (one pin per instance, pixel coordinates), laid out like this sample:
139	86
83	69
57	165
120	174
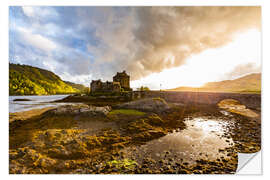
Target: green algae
123	164
126	112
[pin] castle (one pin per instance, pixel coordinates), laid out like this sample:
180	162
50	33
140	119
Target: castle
120	81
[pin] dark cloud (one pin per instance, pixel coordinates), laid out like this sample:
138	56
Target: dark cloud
151	39
183	31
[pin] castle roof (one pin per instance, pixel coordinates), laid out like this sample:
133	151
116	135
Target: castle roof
122	74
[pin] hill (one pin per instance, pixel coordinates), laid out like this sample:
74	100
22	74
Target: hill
79	87
250	83
28	80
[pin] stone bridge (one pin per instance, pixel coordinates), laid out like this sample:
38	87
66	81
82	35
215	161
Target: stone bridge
250	100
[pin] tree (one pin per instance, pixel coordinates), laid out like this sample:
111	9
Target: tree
143	88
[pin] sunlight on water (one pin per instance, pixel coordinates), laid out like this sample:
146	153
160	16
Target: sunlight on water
202	139
206	126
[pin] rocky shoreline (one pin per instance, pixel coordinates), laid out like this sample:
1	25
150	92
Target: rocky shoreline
86	139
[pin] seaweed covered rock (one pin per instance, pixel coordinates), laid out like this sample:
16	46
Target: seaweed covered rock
148	104
155	120
21	157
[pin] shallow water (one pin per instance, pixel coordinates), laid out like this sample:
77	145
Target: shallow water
202	139
35	103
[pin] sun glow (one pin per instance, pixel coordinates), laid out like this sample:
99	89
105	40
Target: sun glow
210	65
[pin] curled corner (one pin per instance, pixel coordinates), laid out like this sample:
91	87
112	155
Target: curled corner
249	163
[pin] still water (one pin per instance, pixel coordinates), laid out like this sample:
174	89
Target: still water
202	139
35	103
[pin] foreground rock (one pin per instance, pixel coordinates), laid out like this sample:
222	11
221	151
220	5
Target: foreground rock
246	132
84	139
81	138
81	110
148	104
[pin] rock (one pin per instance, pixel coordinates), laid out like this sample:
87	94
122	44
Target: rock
198	167
13	155
148	104
81	110
234	106
155	133
155	120
183	171
45	162
161	161
177	164
22	100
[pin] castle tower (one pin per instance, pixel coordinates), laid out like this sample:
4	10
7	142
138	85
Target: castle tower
123	79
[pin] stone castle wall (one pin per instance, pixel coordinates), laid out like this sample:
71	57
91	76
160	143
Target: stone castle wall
99	86
120	80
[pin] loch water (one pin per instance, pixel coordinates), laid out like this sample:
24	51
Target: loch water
36	102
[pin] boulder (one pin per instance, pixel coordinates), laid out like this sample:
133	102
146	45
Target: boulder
235	106
148	104
82	109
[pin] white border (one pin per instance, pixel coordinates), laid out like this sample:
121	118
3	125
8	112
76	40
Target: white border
4	74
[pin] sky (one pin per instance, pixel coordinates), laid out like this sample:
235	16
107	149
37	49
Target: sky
159	47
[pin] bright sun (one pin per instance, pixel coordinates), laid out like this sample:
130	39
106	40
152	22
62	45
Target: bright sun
210	65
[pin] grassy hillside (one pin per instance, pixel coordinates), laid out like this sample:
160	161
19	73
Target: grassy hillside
28	80
79	87
250	83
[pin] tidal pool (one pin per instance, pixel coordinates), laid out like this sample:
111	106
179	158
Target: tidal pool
202	139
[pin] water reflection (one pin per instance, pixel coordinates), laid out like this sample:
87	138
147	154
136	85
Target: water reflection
36	102
202	139
226	113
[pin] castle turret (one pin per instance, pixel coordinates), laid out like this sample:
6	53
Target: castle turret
123	79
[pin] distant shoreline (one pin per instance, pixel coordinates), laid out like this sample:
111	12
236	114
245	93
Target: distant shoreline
232	92
42	95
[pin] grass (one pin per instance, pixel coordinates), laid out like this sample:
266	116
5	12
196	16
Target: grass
125	163
126	112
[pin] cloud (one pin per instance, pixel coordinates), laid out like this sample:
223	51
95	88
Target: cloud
242	70
37	40
151	39
240	57
28	10
177	33
39	12
98	41
80	79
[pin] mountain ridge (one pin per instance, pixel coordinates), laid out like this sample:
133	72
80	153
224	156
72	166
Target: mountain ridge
250	83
